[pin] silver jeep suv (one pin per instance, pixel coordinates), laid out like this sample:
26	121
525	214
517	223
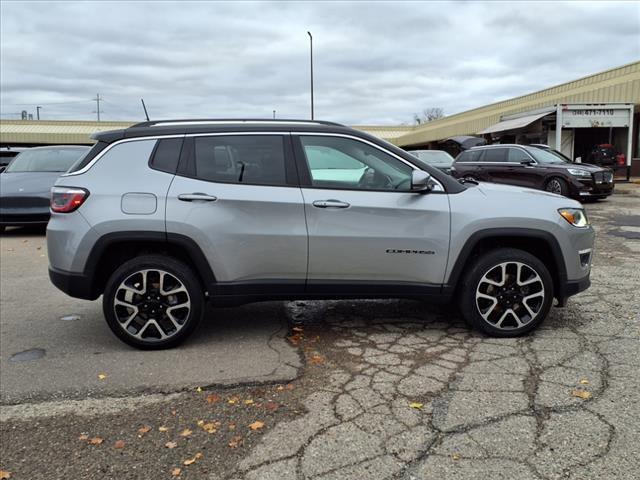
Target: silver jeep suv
163	216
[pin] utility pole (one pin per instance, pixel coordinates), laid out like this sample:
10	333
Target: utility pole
274	114
38	112
311	60
97	99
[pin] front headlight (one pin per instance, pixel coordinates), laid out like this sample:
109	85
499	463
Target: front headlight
575	216
577	172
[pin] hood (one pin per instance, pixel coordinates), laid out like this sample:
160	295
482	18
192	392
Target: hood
583	166
511	193
24	184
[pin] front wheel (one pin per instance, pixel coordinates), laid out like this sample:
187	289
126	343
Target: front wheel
153	302
557	186
507	292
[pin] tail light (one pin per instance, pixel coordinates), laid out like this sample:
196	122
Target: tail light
622	160
67	199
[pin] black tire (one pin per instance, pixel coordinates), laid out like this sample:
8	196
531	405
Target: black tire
557	185
473	284
193	293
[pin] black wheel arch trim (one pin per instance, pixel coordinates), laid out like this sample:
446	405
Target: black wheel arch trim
191	248
527	233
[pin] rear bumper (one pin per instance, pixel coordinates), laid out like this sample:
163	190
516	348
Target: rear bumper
22	219
73	284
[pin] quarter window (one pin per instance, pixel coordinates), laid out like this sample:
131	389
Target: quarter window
338	162
253	159
167	155
469	156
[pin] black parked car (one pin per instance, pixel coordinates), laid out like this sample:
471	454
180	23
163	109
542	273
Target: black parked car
25	185
435	158
534	167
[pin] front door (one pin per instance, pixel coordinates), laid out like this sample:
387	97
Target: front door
237	197
367	231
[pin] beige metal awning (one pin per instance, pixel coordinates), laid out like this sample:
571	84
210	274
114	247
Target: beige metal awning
513	123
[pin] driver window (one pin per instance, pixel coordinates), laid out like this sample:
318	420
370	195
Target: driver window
344	163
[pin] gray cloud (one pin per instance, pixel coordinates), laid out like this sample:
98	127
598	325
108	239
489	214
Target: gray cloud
375	62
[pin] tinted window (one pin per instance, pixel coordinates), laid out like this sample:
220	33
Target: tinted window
255	159
495	155
517	155
45	160
167	154
337	162
546	156
469	156
84	160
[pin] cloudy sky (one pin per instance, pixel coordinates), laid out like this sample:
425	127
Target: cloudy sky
375	62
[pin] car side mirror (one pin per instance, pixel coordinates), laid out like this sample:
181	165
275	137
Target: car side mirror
420	181
527	162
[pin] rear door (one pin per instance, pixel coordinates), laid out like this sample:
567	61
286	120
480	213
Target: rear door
368	232
494	165
237	197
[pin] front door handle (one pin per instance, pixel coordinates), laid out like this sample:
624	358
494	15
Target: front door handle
197	196
330	204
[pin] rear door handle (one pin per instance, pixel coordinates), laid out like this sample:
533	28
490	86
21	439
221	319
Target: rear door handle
197	196
330	204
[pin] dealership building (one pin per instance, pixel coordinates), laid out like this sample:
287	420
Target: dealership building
573	117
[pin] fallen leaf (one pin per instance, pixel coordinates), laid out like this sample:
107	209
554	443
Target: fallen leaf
144	429
5	475
233	400
248	402
584	381
316	359
271	406
257	425
416	405
119	444
163	429
174	412
232	426
455	456
280	387
210	427
96	441
200	423
583	394
83	437
102	376
176	472
199	390
295	339
213	398
289	386
171	445
189	461
235	441
186	432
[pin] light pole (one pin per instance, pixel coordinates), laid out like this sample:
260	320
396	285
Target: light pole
38	111
311	59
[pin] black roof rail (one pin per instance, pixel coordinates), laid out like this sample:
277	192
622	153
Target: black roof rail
197	121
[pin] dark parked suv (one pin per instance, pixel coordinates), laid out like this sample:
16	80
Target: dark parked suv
533	167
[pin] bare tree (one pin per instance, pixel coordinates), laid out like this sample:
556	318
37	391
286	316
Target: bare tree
428	115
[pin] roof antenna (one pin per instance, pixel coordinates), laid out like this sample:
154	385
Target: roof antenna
145	109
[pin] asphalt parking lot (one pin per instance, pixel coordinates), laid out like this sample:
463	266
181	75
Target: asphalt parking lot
353	389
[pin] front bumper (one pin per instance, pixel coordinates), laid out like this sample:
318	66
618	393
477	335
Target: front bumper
75	285
572	287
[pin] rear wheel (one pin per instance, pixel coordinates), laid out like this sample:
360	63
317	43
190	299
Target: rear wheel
506	292
557	185
153	302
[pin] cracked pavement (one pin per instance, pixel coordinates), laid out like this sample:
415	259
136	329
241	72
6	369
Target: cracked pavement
399	389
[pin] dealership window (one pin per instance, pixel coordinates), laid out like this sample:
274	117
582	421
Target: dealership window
253	159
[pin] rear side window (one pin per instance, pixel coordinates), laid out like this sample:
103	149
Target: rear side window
469	156
252	159
167	154
495	155
90	155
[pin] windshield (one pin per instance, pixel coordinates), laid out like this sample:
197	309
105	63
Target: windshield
546	156
45	160
433	157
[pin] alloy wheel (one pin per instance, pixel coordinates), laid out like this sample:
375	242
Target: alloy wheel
554	186
510	295
152	305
